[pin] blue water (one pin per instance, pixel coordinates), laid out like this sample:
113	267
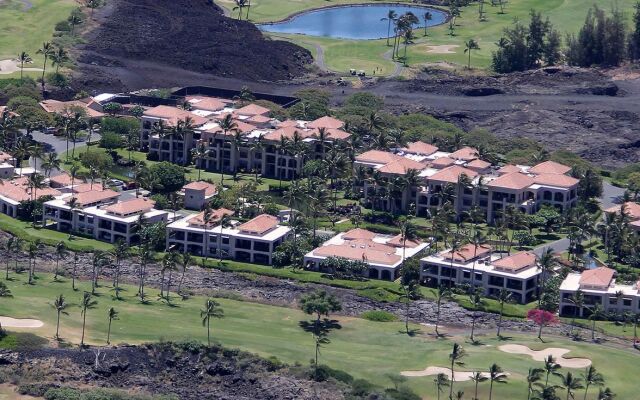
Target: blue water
351	22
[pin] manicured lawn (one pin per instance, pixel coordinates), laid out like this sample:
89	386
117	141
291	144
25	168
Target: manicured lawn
22	30
340	55
27	232
363	348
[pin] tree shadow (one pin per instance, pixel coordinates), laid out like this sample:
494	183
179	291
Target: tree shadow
412	332
504	338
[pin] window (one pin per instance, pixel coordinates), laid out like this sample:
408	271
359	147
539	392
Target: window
261	246
466	274
613	301
626	302
225	240
478	276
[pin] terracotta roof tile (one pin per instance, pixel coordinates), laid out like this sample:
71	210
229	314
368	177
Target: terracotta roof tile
465	154
516	262
631	209
173	114
396	241
514	181
60	180
198	219
377	157
326	122
442	162
209	188
421	148
558	180
60	107
358	233
549	167
466	253
131	206
401	166
366	251
451	174
478	165
598	277
5	157
259	225
206	103
508	169
252	109
94	196
287	132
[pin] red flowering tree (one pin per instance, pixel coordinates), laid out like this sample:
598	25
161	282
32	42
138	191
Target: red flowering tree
542	318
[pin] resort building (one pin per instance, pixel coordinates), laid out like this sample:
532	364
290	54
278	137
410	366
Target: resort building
599	287
253	241
14	192
632	212
422	175
197	194
99	214
382	253
480	266
255	143
87	106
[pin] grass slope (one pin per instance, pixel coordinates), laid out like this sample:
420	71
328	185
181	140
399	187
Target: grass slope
25	30
363	348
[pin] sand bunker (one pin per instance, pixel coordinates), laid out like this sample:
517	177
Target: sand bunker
460	376
442	49
557	353
11	66
8	322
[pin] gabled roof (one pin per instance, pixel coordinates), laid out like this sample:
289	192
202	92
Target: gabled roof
442	162
173	114
93	196
465	154
259	225
252	109
508	169
60	107
334	134
451	174
401	166
421	148
599	277
357	234
467	252
286	132
377	157
396	241
209	188
516	262
326	122
4	157
206	103
198	219
514	181
60	180
557	180
478	165
549	167
366	251
131	206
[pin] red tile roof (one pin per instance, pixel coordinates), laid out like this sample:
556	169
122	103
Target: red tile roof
206	103
396	241
358	233
557	180
287	132
60	180
598	277
516	262
366	251
549	167
259	225
173	114
631	209
465	154
401	166
132	206
451	174
514	181
61	107
377	157
466	253
478	165
421	148
509	168
326	122
198	219
209	188
252	109
5	157
93	196
442	162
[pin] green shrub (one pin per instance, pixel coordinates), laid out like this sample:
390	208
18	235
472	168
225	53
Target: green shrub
110	140
19	101
63	26
166	177
162	201
378	316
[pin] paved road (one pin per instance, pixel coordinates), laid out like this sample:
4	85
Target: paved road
55	144
611	195
558	246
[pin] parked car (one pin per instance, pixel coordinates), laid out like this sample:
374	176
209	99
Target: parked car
115	182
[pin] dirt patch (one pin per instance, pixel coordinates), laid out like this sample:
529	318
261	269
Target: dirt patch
11	66
8	322
458	376
540	355
442	49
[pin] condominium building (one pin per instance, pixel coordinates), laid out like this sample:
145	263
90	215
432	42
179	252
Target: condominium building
99	214
383	254
253	241
599	287
631	210
16	191
422	175
256	143
196	194
480	266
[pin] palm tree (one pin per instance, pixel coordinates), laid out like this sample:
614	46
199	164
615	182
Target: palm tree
86	304
24	58
76	258
478	377
477	239
596	312
442	294
606	394
185	262
17	249
113	314
58	58
456	356
32	251
237	141
504	296
256	146
198	154
571	384
98	260
74	20
551	368
391	17
211	309
547	263
427	16
169	262
47	51
496	374
441	381
60	304
469	45
578	302
476	301
591	377
120	253
60	252
534	376
224	222
294	195
9	250
50	162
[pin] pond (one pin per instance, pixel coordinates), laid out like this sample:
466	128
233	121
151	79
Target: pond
351	22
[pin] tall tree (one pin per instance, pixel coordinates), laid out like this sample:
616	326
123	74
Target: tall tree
113	315
456	356
591	377
441	381
60	252
390	18
571	384
60	304
86	304
496	375
469	45
211	309
24	58
47	51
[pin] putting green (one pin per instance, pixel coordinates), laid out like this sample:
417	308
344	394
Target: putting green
363	348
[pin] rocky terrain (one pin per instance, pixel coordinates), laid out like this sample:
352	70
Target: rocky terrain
182	371
187	34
